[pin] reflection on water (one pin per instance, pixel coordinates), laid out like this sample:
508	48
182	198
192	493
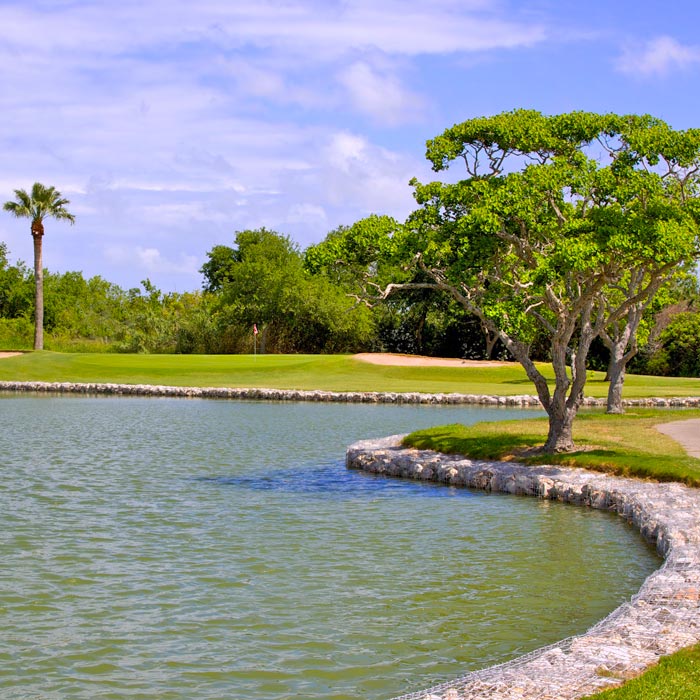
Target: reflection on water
206	549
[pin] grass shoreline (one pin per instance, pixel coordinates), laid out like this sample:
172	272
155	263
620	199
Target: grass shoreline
623	445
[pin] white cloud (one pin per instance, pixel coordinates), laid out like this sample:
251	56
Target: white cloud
345	149
368	177
659	56
151	260
256	80
410	27
307	214
174	214
381	96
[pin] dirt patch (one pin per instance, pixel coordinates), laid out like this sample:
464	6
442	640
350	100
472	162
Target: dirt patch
8	354
395	360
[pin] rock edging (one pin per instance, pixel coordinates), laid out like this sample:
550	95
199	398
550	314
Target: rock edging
260	394
662	618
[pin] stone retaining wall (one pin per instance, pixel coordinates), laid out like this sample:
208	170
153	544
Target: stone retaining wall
315	395
663	617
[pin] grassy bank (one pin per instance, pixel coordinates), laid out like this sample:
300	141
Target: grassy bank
330	372
627	445
676	677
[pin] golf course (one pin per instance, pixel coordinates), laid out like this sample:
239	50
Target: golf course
326	372
627	445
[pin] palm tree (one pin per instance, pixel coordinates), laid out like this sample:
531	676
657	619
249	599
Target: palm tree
43	202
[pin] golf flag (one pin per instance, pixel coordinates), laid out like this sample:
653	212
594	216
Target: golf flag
255	329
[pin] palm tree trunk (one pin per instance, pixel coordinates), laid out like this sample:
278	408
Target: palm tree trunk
38	294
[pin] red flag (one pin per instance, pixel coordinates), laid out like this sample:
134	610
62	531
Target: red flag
255	329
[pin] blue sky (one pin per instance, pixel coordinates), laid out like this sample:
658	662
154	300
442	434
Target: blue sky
171	125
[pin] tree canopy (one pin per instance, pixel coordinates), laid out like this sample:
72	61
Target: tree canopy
261	281
541	236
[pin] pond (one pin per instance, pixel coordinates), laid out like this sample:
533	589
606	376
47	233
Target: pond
178	548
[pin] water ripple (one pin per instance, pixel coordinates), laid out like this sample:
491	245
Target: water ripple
179	549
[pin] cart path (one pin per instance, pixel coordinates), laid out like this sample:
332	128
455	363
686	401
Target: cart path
685	432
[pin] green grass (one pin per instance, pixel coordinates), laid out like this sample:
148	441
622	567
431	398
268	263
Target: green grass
676	677
330	372
627	445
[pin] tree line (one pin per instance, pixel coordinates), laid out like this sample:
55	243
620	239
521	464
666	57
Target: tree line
298	306
261	279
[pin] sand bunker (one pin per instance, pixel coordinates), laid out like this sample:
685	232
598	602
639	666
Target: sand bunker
395	360
8	354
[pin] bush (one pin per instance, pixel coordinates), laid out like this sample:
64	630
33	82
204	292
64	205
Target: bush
16	334
677	355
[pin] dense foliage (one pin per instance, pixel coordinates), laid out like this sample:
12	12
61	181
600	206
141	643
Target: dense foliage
678	351
96	315
260	282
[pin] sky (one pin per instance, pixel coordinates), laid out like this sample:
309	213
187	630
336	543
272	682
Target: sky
170	125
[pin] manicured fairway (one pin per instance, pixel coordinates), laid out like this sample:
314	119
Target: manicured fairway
329	372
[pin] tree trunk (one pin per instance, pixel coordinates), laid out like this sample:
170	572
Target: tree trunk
38	293
561	409
491	341
616	371
419	332
623	347
560	437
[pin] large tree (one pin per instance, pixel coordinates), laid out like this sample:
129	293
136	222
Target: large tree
41	203
542	233
555	213
261	280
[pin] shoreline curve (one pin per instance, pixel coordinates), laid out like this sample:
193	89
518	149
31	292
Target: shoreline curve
661	618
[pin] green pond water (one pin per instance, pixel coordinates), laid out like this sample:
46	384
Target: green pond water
165	548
